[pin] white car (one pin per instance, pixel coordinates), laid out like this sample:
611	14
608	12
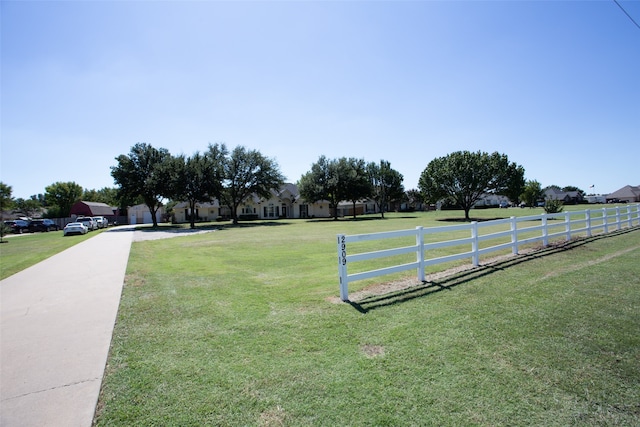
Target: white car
75	228
101	221
89	222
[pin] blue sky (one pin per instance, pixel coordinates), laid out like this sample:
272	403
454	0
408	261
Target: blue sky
553	85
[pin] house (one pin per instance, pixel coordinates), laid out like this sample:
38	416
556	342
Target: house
491	200
82	208
284	202
140	214
566	197
628	194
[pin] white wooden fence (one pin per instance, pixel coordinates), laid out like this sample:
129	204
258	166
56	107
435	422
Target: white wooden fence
517	231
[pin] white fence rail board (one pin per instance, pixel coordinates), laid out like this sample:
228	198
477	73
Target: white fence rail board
552	226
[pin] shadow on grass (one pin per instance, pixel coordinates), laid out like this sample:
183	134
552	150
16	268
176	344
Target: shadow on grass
456	279
177	228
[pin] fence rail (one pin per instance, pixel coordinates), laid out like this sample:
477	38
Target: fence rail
518	231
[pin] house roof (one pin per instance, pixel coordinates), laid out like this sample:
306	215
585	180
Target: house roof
91	208
626	192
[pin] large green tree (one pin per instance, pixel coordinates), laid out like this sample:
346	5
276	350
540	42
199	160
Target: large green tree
198	179
357	185
61	196
247	172
6	198
386	184
144	173
463	177
325	181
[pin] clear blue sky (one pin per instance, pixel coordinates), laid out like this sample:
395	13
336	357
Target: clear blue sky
553	85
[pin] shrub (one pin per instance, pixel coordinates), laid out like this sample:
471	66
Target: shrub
552	206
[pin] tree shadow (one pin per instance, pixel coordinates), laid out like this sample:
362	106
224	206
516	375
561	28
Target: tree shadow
448	283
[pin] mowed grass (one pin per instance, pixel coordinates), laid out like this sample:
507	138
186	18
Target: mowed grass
24	250
242	326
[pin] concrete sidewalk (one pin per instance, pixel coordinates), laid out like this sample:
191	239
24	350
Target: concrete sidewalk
56	323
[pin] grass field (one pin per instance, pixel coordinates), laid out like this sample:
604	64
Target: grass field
240	327
24	250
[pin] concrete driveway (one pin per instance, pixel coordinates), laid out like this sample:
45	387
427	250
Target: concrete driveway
56	323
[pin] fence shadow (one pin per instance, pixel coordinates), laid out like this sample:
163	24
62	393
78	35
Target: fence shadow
448	283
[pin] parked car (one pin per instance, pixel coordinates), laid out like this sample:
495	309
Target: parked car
18	226
101	221
43	225
89	222
75	228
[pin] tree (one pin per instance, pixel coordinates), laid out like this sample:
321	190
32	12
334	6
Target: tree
357	185
463	177
247	172
6	203
108	195
144	173
198	179
386	183
413	198
532	193
61	196
323	182
28	207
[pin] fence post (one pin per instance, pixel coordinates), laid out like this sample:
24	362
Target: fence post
545	231
605	220
587	218
514	236
474	244
420	252
342	267
618	224
629	216
567	225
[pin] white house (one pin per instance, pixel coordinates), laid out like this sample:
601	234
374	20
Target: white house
283	203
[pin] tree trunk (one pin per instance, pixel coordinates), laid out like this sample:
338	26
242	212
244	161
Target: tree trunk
192	217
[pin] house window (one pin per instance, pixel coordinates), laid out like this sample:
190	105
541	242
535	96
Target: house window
271	211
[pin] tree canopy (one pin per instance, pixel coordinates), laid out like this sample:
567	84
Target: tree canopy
532	192
197	179
386	184
144	172
334	181
61	196
463	177
246	172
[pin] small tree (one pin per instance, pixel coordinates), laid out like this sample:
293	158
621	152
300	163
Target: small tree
532	193
552	206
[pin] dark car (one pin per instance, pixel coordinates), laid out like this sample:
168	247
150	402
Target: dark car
43	225
18	226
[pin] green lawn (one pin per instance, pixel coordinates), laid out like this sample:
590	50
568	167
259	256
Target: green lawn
24	250
240	326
